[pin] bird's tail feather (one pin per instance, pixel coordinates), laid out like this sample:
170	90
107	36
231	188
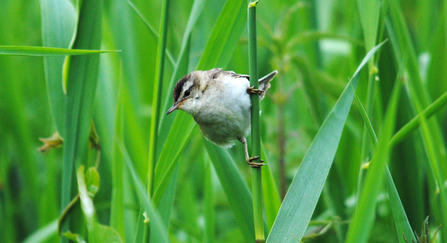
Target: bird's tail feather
264	83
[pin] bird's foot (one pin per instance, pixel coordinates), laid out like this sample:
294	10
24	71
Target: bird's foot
254	164
251	90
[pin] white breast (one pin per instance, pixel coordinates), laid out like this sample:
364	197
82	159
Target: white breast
224	114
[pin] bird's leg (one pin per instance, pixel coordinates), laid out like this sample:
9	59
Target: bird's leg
248	158
251	90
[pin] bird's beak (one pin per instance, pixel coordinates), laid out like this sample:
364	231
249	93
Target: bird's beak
174	107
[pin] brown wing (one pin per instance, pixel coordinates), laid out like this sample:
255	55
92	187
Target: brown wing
264	82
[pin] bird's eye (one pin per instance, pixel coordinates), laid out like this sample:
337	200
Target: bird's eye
186	93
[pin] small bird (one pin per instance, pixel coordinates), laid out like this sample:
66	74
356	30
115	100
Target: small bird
219	102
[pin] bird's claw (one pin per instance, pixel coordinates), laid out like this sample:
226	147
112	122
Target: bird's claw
251	90
255	164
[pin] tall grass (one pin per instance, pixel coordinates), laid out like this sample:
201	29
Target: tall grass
351	130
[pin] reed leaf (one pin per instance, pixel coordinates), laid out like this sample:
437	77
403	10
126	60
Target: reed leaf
302	196
81	89
47	51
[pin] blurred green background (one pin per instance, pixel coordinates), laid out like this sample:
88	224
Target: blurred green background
315	45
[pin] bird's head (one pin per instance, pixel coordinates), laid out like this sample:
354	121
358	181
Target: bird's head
186	91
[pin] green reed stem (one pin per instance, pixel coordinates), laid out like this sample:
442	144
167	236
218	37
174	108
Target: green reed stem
255	131
156	102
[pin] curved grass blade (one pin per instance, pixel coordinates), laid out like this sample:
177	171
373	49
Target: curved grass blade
152	31
403	227
164	171
47	51
363	220
43	233
302	197
238	194
228	28
415	122
160	233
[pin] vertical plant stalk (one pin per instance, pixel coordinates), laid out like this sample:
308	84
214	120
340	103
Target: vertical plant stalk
255	131
80	77
156	102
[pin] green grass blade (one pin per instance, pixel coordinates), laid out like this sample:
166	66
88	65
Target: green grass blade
415	122
132	132
227	29
369	16
58	23
141	228
272	201
160	233
173	136
43	233
361	225
434	159
238	195
400	218
301	199
176	133
82	79
152	31
181	67
157	89
209	215
48	51
366	120
117	201
406	55
403	227
432	138
58	26
164	170
166	202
